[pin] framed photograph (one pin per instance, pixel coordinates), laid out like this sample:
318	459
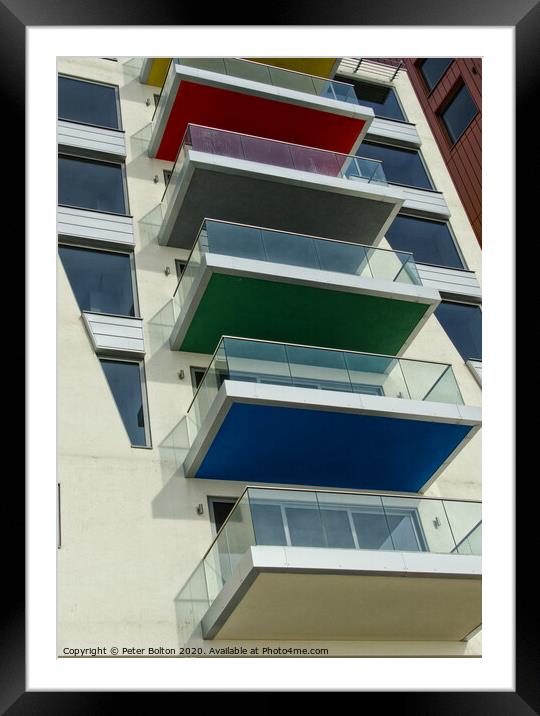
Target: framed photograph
256	288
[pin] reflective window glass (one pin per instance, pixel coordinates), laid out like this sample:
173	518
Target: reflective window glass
87	102
101	280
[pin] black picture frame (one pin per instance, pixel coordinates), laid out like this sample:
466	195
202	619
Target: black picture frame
524	16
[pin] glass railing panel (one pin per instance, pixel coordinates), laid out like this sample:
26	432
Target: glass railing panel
210	64
191	273
239	529
368	521
445	390
340	91
257	361
376	375
286	517
290	249
408	272
385	265
320	369
264	151
254	71
291	156
217	565
198	594
234	240
192	603
343	258
421	378
317	161
336	511
208	389
211	141
292	80
465	520
418	525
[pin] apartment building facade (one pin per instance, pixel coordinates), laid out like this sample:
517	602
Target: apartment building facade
269	347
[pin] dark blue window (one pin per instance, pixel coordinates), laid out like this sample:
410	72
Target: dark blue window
101	280
381	99
125	383
434	68
430	241
91	185
87	102
459	113
463	324
401	166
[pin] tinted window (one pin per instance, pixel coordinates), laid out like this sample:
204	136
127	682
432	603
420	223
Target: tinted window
381	99
91	185
459	114
463	324
125	383
430	241
101	280
434	68
401	166
87	102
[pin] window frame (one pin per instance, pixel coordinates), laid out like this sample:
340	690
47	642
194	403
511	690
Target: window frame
456	89
460	302
116	88
420	65
134	285
80	157
452	234
416	150
144	398
384	86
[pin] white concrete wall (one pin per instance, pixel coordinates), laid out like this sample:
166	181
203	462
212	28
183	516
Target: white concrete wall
131	535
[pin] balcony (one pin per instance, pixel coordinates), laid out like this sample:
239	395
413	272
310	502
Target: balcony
253	180
243	96
293	414
260	283
302	564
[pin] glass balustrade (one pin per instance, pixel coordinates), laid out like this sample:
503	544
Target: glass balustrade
300	366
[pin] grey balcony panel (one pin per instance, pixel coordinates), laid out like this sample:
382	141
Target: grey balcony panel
265	195
423	202
454	283
475	366
91	141
400	133
95	227
115	335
